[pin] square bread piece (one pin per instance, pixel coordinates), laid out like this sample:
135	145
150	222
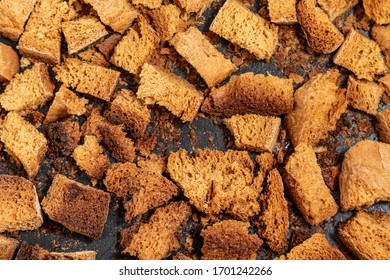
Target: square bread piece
19	204
78	207
30	252
9	63
7	247
283	12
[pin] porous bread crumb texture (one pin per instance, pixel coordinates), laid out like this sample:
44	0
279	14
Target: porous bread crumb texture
381	35
159	237
151	4
153	163
229	240
361	55
367	235
383	125
283	12
265	162
19	206
28	91
306	187
107	46
93	56
63	138
7	247
216	181
378	10
9	63
335	8
319	103
385	82
87	78
251	93
78	207
254	132
365	175
201	54
157	86
237	24
193	6
23	142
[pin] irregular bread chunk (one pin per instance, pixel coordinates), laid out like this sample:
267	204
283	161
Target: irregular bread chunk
151	4
29	252
283	12
381	35
193	6
63	138
7	247
9	63
167	21
383	125
378	10
334	8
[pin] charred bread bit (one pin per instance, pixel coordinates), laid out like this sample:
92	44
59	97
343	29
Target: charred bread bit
90	157
151	4
160	236
128	110
383	125
108	45
94	57
136	47
254	132
306	186
367	235
251	94
28	91
365	175
317	247
78	207
19	207
30	252
63	138
23	142
283	12
334	8
237	24
273	219
217	181
318	105
88	78
378	10
203	56
163	88
361	55
82	32
266	163
118	14
193	6
9	63
364	95
229	240
7	247
13	16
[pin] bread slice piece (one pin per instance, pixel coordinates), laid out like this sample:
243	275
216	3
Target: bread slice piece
251	94
7	247
203	56
30	252
78	207
254	132
335	8
163	88
23	142
136	47
364	95
365	175
28	91
378	10
283	12
151	4
154	240
19	207
118	14
367	235
383	125
318	105
193	6
361	55
321	34
82	32
9	63
306	186
88	78
13	16
229	240
63	138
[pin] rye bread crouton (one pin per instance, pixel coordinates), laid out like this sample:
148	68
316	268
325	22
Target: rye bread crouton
30	252
335	8
378	10
63	138
283	12
383	125
7	247
9	63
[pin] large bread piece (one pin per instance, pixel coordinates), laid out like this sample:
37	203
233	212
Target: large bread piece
365	175
9	63
30	252
378	10
334	8
7	247
237	24
283	12
19	204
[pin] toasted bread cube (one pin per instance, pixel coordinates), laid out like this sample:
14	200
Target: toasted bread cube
151	4
237	24
63	138
23	142
378	10
365	175
29	252
78	207
193	6
335	8
383	125
167	21
9	63
7	247
283	12
19	207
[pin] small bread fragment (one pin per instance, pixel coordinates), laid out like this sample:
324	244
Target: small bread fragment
87	78
92	125
30	252
82	32
193	6
160	236
251	94
94	57
367	235
283	12
321	34
318	105
266	162
201	54
19	207
7	247
254	132
306	186
361	55
9	63
78	207
365	175
63	138
381	35
151	4
378	10
237	24
383	125
167	21
23	142
163	88
229	240
385	82
334	8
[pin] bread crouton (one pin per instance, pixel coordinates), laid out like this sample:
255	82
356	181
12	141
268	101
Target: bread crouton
9	63
151	4
94	57
378	10
63	138
193	6
265	162
381	35
335	8
283	12
167	21
383	125
7	247
30	252
107	46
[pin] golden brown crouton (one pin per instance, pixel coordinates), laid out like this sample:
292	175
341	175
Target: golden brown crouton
7	247
283	12
9	63
193	6
378	10
334	8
